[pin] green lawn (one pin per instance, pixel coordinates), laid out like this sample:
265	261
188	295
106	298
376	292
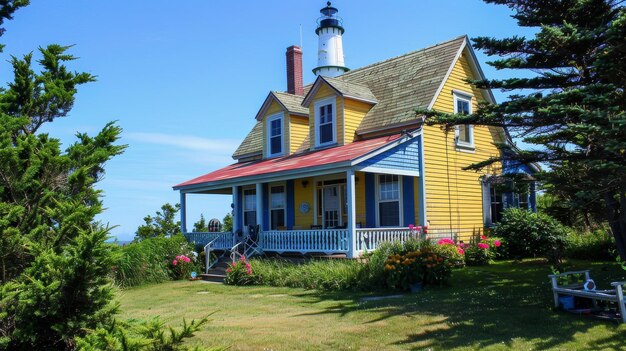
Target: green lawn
499	307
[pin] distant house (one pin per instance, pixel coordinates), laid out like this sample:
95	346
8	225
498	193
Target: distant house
344	163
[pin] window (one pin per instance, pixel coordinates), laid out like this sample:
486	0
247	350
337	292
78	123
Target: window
249	207
277	207
388	200
464	133
275	135
325	129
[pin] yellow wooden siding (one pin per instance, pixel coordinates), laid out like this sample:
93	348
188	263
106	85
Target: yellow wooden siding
454	196
298	129
273	109
324	92
304	194
354	111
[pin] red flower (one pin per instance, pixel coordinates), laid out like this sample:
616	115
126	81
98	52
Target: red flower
483	246
483	237
497	243
461	251
175	262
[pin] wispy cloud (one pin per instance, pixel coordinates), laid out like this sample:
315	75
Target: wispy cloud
188	142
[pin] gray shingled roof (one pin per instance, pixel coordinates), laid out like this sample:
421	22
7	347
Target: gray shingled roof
252	144
349	89
293	103
399	85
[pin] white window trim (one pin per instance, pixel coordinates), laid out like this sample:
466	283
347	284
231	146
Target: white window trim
327	101
243	203
400	199
269	202
268	129
459	143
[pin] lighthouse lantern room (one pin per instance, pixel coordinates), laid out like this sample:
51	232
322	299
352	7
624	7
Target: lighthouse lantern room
330	61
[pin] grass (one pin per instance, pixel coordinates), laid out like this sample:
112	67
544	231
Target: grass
503	306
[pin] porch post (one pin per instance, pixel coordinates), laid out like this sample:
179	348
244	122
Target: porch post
350	190
183	212
259	204
236	209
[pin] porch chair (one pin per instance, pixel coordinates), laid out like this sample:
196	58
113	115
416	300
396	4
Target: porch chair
251	242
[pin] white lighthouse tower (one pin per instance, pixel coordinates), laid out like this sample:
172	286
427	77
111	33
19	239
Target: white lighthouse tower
330	61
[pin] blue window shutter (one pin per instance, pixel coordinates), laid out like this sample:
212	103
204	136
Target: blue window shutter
408	200
290	205
370	200
240	207
533	197
487	221
266	207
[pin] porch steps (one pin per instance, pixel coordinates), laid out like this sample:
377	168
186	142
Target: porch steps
217	273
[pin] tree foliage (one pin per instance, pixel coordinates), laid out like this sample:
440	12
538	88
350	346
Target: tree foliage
54	262
163	224
201	225
571	107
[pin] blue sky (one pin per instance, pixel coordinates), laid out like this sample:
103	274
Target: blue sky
185	79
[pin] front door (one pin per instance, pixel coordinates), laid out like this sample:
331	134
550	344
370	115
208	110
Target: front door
331	207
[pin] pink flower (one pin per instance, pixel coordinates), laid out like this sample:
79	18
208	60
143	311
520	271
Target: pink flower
228	270
483	237
175	262
248	269
445	241
461	251
411	226
483	246
497	243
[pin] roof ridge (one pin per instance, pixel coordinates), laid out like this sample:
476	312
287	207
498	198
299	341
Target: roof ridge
403	55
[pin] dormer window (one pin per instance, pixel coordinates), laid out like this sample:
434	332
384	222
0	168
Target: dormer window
275	135
325	128
464	133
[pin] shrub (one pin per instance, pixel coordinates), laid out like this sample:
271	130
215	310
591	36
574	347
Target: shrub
452	251
529	234
482	250
596	245
329	275
239	273
422	265
151	261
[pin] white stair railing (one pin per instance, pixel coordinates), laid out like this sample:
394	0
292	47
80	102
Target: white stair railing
219	241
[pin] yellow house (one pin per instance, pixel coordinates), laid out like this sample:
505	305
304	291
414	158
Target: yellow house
345	163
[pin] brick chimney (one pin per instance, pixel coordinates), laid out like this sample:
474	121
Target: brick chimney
294	70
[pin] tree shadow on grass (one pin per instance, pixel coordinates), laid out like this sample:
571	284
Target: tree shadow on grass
500	305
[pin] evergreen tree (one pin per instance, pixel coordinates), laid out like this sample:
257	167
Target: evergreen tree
201	225
572	106
54	262
162	224
227	223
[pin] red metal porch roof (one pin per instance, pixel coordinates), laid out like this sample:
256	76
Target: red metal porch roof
329	156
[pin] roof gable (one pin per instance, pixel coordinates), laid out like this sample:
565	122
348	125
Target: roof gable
289	103
342	88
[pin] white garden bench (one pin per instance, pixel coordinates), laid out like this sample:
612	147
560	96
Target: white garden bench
615	295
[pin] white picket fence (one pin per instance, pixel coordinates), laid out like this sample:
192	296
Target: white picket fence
314	240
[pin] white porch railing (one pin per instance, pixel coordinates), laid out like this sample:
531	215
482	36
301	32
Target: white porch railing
221	240
368	239
315	240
